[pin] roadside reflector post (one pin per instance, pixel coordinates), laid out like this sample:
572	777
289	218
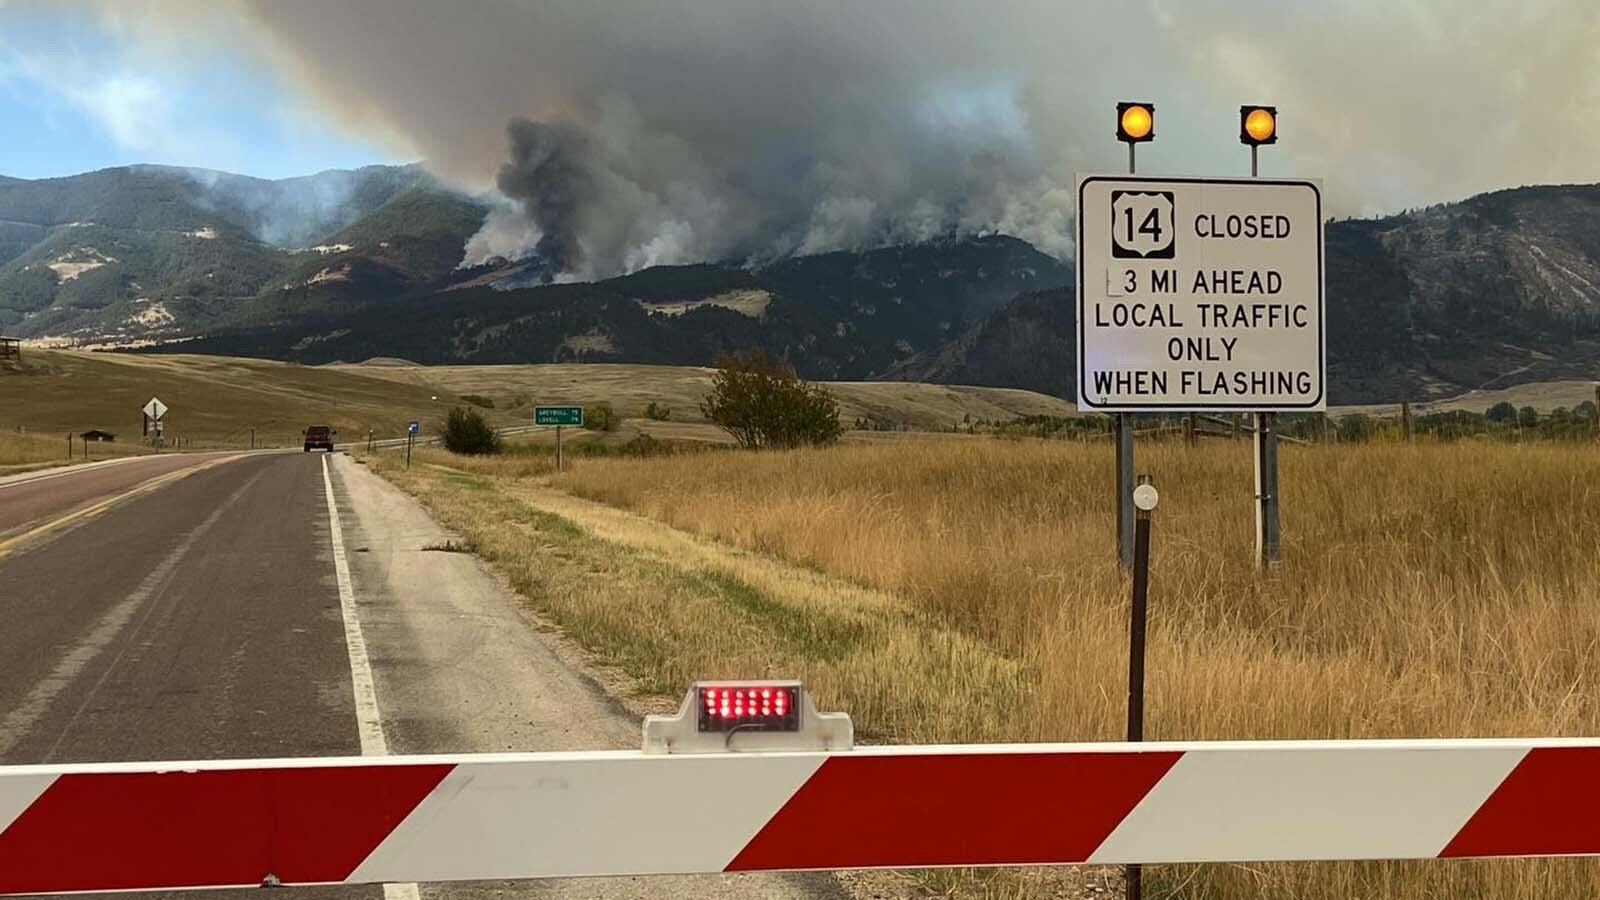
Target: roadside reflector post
1144	499
747	716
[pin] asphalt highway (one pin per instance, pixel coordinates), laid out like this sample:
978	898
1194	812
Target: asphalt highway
192	607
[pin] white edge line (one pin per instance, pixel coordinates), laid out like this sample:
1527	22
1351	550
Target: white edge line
369	722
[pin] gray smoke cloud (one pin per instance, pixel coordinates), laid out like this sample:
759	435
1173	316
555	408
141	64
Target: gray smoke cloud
643	132
549	177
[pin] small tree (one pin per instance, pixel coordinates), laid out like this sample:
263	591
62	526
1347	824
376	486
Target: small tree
762	403
1501	412
600	417
1528	417
466	432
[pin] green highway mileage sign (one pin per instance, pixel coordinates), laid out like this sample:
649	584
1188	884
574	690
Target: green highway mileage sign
558	415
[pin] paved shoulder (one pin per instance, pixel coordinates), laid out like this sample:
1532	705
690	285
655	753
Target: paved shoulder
461	666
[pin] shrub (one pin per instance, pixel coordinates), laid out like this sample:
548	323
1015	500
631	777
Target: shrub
1355	426
600	417
762	403
467	433
1528	417
1501	412
659	412
478	400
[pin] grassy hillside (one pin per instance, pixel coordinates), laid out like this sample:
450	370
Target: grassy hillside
25	452
629	388
215	401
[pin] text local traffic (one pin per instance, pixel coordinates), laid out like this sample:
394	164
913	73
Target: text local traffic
1209	315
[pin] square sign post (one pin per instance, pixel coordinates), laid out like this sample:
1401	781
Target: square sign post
155	420
558	416
1202	294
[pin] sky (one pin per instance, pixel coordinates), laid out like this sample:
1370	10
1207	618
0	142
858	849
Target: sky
618	134
77	94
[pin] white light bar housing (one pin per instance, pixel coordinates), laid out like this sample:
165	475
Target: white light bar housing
747	716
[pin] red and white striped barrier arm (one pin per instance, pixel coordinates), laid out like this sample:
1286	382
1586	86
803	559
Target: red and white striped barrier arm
452	818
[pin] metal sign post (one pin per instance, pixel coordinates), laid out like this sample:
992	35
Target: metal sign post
1125	517
1135	125
1258	125
155	419
412	429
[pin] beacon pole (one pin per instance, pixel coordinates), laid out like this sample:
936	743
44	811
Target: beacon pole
1135	125
1258	125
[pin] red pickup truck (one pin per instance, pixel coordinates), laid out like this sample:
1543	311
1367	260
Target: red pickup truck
320	436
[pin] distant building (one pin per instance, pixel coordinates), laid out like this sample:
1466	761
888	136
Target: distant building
10	347
95	434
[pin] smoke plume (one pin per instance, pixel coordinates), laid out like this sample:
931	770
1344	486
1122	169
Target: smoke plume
644	132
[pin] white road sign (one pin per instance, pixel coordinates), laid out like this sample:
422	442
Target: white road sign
1200	293
155	409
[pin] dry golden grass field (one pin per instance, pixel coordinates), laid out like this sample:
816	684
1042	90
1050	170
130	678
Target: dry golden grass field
21	452
965	591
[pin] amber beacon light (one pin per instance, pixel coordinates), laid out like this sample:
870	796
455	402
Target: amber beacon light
1136	122
1258	125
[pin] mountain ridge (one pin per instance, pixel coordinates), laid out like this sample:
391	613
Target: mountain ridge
1498	288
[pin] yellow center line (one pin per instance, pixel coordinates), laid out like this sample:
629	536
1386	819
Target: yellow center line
143	487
